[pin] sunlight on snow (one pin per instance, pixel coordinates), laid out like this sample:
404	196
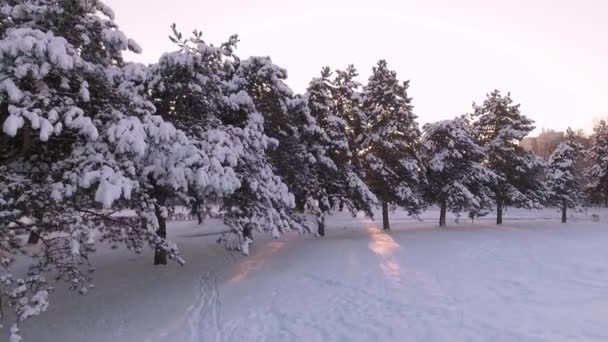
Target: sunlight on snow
384	246
256	261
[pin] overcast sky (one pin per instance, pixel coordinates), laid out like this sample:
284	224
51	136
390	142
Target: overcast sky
551	54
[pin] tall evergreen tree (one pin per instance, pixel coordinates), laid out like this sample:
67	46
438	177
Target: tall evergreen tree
348	98
500	126
76	137
598	163
177	167
214	96
564	182
457	179
389	151
339	183
325	142
273	201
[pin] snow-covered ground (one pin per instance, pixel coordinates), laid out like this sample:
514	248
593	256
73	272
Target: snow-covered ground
532	279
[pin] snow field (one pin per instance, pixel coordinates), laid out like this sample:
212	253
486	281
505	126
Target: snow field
530	280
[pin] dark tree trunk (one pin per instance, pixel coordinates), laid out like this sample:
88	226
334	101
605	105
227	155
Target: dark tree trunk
300	204
606	199
385	223
443	214
499	206
197	210
33	238
564	214
248	232
160	254
321	226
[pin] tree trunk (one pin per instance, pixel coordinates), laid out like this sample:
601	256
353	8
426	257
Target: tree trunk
248	232
499	206
443	214
321	226
33	238
564	214
385	223
160	254
197	210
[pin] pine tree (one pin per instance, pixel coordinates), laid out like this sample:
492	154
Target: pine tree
500	127
268	205
320	144
79	141
348	98
214	96
180	167
389	151
339	184
186	89
598	163
457	179
294	158
564	182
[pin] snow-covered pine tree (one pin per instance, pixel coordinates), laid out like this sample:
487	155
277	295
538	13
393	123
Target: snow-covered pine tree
597	157
267	205
176	168
564	183
500	127
347	95
389	151
581	167
75	135
320	107
203	89
457	179
284	122
339	184
295	157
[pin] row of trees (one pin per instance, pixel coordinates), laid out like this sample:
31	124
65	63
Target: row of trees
86	135
475	164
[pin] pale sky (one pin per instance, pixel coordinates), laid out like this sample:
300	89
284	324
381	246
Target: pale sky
551	54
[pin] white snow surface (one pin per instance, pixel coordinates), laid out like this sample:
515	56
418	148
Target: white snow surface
532	279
